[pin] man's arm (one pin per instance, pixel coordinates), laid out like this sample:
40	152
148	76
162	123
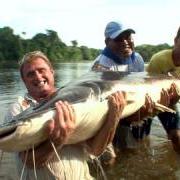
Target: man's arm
58	130
99	142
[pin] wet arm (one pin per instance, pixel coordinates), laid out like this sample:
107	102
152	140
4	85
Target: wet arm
98	143
145	111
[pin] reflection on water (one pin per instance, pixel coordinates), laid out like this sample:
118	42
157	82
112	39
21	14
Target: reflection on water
147	162
154	159
69	71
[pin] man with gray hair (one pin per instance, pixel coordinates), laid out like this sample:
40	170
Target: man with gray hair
37	74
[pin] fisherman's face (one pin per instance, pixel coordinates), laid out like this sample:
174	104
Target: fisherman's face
38	78
123	45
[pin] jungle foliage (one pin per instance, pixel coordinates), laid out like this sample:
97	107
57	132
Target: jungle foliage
13	47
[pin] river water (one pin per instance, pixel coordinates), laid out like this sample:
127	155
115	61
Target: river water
153	158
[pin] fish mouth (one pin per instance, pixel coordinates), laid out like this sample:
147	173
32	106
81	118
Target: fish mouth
7	131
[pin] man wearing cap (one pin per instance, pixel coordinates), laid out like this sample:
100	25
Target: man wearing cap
119	50
119	55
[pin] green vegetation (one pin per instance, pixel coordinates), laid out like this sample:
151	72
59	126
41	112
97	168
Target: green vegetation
13	47
147	51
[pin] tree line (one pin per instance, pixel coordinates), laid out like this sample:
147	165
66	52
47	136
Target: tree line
147	50
13	47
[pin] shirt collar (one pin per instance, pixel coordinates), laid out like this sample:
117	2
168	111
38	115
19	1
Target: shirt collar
30	99
108	52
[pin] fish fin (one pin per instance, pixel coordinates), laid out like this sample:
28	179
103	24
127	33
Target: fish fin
163	108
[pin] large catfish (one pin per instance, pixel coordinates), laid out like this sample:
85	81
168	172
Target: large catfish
88	95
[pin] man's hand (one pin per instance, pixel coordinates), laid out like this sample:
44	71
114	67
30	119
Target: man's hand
148	108
97	144
174	94
116	102
164	98
63	125
145	111
58	129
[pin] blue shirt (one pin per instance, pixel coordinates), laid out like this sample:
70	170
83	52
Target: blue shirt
108	60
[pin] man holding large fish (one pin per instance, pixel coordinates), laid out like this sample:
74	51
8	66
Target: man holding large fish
38	76
164	62
119	55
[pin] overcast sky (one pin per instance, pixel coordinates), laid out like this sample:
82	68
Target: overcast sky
155	21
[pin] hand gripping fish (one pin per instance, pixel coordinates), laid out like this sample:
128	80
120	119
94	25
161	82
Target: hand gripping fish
88	95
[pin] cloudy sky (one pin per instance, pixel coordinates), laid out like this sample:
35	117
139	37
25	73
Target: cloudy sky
155	21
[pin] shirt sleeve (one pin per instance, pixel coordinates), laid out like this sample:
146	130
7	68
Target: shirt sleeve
154	65
161	62
14	109
100	64
140	62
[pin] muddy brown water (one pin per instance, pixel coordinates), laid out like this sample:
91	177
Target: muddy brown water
152	159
